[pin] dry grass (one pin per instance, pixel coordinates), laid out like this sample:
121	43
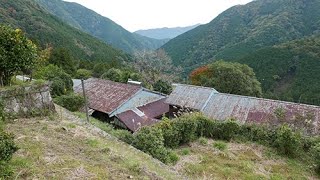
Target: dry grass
238	161
58	148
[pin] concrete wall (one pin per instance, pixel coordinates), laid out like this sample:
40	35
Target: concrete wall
33	100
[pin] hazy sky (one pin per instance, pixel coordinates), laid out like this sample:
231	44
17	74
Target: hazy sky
145	14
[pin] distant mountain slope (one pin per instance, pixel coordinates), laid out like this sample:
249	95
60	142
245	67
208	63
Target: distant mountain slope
101	27
289	71
244	29
44	28
165	33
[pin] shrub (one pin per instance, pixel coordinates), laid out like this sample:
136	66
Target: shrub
124	136
220	145
203	141
287	141
173	157
83	74
187	127
205	127
171	134
150	140
316	156
7	148
226	130
72	102
256	133
162	86
113	74
185	151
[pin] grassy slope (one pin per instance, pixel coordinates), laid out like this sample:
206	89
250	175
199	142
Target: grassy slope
46	29
63	147
238	161
101	27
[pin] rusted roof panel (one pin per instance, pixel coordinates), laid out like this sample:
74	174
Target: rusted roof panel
245	109
133	121
106	96
155	109
194	97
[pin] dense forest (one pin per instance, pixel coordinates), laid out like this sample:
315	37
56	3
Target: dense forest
47	30
98	26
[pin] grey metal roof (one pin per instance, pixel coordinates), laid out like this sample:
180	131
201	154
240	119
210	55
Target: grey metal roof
194	97
222	106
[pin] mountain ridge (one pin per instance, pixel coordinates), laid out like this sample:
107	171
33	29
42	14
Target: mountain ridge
47	30
99	26
165	32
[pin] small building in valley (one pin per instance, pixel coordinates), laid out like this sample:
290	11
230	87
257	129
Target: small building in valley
245	109
126	105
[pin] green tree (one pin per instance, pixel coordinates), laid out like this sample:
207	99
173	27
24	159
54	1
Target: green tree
83	74
61	81
227	77
163	87
62	58
113	74
17	53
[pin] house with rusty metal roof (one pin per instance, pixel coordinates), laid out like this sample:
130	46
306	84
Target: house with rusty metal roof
123	103
245	109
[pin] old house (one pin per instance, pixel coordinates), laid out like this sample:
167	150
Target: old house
245	109
126	105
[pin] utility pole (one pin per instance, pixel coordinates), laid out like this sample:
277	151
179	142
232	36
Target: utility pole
85	99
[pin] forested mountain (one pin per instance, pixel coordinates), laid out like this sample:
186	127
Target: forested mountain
46	29
244	29
289	71
165	33
101	27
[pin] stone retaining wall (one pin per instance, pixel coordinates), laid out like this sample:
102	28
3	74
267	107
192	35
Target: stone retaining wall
33	100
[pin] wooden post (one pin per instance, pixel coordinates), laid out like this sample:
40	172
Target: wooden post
85	100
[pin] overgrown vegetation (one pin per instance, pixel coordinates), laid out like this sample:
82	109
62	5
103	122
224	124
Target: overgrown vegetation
72	102
157	140
7	147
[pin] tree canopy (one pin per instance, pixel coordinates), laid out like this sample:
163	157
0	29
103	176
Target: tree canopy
17	53
227	77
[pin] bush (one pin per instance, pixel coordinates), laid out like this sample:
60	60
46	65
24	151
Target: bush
72	102
124	136
203	141
220	145
61	81
163	87
113	74
7	148
256	133
287	141
187	127
171	134
316	156
83	74
225	130
173	157
150	140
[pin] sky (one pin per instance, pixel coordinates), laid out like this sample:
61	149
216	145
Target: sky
146	14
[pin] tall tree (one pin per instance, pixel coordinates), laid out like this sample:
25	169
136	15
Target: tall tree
227	77
154	66
17	53
62	58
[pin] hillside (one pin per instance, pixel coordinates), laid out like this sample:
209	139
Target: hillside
244	29
65	147
45	29
98	26
165	33
289	71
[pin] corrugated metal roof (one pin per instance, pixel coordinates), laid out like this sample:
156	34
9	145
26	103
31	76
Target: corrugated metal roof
106	96
133	121
222	106
155	109
194	97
